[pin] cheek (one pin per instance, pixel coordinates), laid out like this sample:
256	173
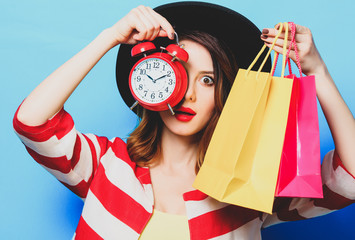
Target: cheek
209	103
209	99
211	108
165	116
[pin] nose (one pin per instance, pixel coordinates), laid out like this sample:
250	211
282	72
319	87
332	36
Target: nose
190	94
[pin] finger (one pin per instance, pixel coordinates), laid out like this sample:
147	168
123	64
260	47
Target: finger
159	21
298	38
153	26
280	51
166	28
135	37
302	33
137	25
140	27
147	31
279	42
302	29
163	33
276	48
273	32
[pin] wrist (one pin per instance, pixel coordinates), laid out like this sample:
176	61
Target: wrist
109	37
320	69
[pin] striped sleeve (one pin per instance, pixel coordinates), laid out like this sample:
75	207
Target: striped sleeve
70	156
211	219
338	191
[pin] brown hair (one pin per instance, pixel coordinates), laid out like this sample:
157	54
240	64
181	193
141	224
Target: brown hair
144	142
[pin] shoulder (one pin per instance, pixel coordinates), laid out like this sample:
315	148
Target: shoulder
118	151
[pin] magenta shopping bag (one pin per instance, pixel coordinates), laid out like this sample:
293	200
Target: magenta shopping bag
300	166
300	172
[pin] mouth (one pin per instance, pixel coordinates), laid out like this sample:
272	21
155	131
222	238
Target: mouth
185	110
184	114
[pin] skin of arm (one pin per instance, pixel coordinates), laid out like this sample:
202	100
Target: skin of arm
339	117
142	23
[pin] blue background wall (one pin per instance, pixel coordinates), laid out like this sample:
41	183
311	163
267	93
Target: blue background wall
36	37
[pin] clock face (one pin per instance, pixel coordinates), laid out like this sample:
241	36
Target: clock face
153	80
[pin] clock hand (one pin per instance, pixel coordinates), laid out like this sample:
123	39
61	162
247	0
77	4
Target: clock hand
150	78
160	77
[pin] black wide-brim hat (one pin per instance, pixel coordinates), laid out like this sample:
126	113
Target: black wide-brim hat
236	31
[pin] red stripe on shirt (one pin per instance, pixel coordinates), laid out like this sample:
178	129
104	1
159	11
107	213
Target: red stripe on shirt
221	221
292	215
194	195
104	144
94	157
46	130
120	149
332	200
61	164
85	232
282	206
143	175
126	210
76	152
337	162
81	189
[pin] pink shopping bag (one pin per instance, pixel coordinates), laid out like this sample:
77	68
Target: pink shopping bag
300	166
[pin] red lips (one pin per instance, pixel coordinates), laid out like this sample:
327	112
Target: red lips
184	114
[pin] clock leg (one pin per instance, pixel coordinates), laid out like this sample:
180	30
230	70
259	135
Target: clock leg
134	104
171	109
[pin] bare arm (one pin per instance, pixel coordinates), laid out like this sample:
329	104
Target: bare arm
142	23
339	117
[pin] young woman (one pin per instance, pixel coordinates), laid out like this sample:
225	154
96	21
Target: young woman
143	189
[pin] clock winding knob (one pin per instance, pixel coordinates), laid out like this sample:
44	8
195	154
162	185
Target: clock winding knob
142	48
178	52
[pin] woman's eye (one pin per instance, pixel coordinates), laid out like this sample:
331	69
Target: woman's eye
207	80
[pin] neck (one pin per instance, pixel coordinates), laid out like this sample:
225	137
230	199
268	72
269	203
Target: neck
177	151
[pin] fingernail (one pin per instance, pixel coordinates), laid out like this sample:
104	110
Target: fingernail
172	35
263	37
265	31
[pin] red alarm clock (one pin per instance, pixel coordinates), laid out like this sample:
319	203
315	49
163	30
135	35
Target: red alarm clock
158	81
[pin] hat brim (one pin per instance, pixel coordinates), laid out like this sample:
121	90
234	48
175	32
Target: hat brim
235	30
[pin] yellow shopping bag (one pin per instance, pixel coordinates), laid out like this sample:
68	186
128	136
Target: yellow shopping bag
242	161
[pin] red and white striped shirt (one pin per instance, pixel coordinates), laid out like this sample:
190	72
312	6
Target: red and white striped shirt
119	198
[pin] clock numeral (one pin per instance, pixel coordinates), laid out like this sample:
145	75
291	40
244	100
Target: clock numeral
140	87
160	95
152	96
156	64
169	74
142	71
148	66
145	93
167	89
139	78
163	67
170	82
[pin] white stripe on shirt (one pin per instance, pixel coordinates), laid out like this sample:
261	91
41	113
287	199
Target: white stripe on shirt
120	174
103	222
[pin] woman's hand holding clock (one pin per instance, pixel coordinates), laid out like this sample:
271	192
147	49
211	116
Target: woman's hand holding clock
141	23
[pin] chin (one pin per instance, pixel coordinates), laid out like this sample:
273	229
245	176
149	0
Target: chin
180	128
185	132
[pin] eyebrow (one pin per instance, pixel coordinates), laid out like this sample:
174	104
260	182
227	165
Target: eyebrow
206	72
